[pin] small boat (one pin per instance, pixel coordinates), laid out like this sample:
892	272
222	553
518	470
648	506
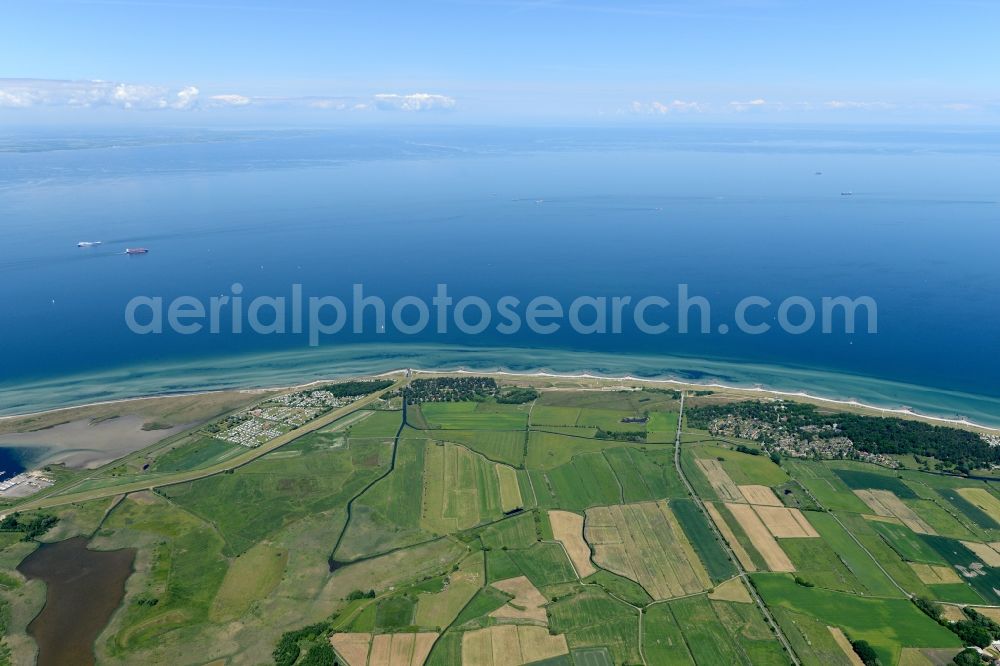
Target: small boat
846	194
88	243
136	250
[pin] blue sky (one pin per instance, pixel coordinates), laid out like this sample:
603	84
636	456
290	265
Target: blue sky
227	61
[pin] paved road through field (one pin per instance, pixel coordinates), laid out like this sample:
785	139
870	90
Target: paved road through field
732	556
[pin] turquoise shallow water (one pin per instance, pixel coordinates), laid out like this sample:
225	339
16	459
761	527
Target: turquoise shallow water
288	368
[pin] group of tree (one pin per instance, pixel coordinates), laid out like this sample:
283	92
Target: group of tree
319	652
621	435
358	594
517	396
968	657
874	434
977	629
451	389
32	526
676	395
866	653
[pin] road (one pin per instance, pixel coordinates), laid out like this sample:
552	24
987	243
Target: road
732	556
191	475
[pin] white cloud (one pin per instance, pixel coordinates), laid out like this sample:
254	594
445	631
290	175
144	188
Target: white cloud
665	108
413	102
230	99
960	106
847	104
27	93
185	98
752	104
30	93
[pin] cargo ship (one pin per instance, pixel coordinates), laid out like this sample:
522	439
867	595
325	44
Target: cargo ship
136	250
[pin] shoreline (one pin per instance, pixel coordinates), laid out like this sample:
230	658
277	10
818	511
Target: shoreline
760	391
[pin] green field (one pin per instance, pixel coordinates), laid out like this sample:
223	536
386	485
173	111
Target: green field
663	640
515	532
543	415
887	624
438	609
857	480
230	559
549	449
723	633
826	486
461	489
502	446
585	482
609	420
745	469
906	543
394	613
185	573
388	514
861	565
257	500
592	618
644	473
986	582
543	563
485	601
623	588
970	510
474	416
702	537
194	452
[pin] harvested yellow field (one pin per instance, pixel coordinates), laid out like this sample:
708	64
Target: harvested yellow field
510	645
741	553
353	648
381	651
983	499
527	603
538	644
762	495
985	552
385	649
645	543
761	538
731	590
992	613
933	574
567	528
885	503
720	480
477	647
953	613
438	609
845	645
785	523
510	491
250	577
422	644
506	645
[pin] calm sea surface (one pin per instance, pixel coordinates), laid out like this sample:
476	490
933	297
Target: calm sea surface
560	212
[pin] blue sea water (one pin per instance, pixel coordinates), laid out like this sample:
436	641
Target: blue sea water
731	212
11	462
